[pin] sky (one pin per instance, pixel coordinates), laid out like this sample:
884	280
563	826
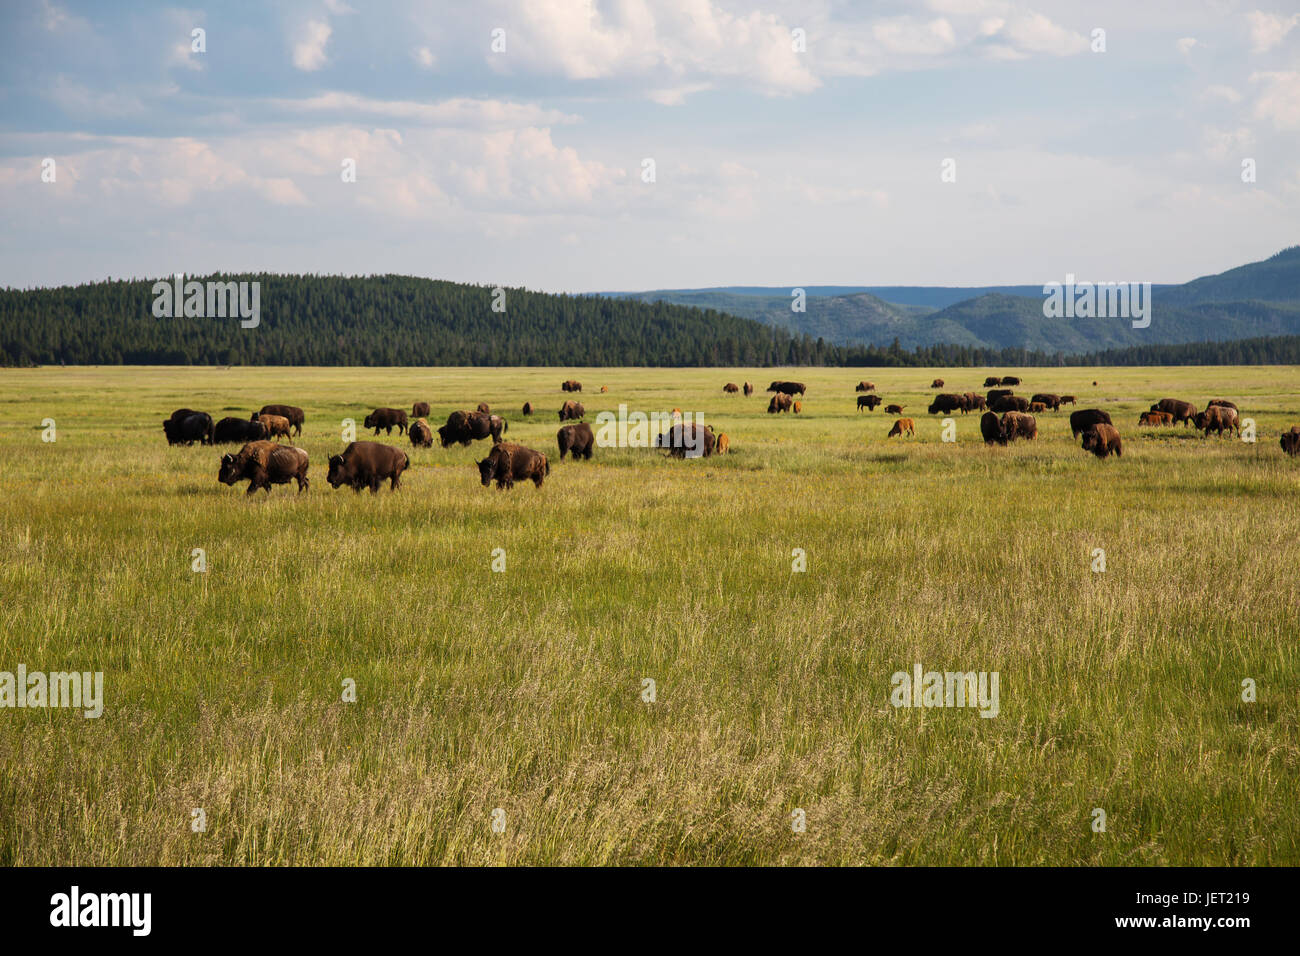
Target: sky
583	145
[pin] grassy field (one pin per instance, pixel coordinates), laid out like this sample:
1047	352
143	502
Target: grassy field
522	690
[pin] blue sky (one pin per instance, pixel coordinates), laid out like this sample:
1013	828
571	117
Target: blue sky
773	165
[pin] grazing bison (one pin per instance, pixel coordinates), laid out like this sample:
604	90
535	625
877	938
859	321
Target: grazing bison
992	429
992	381
904	426
894	409
996	393
1048	400
467	427
578	439
780	403
387	418
865	387
689	440
263	464
869	402
749	389
187	426
421	434
723	446
731	388
797	407
1037	408
1085	418
1010	403
484	408
1010	380
420	410
973	402
1019	425
1183	412
1069	400
508	463
945	403
789	388
1102	440
937	383
1290	441
275	425
1154	419
528	408
1217	418
572	411
232	430
368	464
571	386
291	412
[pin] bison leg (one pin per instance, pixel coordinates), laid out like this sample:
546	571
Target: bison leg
397	480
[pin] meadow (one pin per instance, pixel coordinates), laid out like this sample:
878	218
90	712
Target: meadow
522	691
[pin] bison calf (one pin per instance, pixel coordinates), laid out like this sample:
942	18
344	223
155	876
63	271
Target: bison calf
904	426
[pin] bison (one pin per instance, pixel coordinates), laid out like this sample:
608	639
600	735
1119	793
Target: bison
485	408
992	429
232	430
387	419
1154	419
945	403
1019	425
291	412
572	411
688	440
789	388
420	410
1103	440
723	446
797	407
865	387
571	386
263	464
869	402
749	389
1010	403
578	439
1216	419
275	425
528	408
421	434
1069	400
992	381
1222	402
368	464
1184	412
187	426
1009	380
780	403
1047	400
996	393
508	463
894	409
1037	408
1290	441
731	388
937	383
904	426
467	427
1085	418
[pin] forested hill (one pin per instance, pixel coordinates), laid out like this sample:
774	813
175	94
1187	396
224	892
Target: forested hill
380	320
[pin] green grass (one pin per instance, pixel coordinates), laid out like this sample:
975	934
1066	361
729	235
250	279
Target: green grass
521	690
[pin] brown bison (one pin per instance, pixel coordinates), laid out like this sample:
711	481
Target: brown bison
578	439
232	430
1216	419
1290	441
263	464
571	386
1009	380
904	426
1037	408
291	412
869	402
1069	400
466	427
937	383
894	409
789	388
1103	440
368	464
1085	418
731	388
1047	400
484	408
995	393
387	419
723	446
992	381
528	408
1184	412
572	411
1019	425
187	426
1222	402
973	402
604	389
1154	419
992	429
1010	403
507	463
275	425
421	434
749	389
688	440
865	387
797	407
780	403
420	410
946	403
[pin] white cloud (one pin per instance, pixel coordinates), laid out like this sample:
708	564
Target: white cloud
1221	92
1267	30
309	49
424	56
462	111
1185	45
1280	99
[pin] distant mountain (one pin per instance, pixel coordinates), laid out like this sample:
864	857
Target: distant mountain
1254	300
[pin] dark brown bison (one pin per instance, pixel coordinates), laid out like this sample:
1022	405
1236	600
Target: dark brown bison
789	388
237	430
263	464
275	425
467	427
1069	400
992	381
387	419
421	434
1183	412
894	409
572	411
507	463
973	402
484	408
1085	418
1048	400
1222	402
688	440
992	429
571	386
187	426
945	403
368	464
1290	441
869	402
749	388
420	410
995	393
1019	425
291	412
1010	403
1103	440
731	388
937	383
780	402
1217	419
904	426
578	439
1009	380
528	408
865	387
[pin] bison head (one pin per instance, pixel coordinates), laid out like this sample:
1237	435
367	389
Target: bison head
485	469
336	476
231	470
447	435
1091	439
